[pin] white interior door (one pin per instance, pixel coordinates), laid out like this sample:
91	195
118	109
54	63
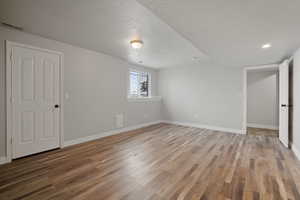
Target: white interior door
284	103
35	101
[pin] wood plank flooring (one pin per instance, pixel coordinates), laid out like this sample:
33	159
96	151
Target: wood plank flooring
262	132
158	162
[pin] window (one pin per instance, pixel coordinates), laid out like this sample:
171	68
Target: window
139	84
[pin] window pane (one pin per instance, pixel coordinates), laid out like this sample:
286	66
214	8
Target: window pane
139	84
134	86
144	84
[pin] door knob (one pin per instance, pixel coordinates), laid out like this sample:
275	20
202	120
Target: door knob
283	105
56	106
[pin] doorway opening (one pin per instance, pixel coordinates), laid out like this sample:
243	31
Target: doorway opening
262	101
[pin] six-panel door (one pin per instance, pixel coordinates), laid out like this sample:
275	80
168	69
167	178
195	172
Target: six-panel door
35	92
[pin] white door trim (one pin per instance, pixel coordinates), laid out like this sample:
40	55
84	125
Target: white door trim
9	45
246	70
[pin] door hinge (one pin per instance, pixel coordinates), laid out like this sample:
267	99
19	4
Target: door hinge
11	56
11	141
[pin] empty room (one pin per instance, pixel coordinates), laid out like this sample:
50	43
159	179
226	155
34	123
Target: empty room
149	100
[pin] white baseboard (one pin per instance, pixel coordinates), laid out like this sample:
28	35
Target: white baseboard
3	160
286	144
196	125
107	133
253	125
296	151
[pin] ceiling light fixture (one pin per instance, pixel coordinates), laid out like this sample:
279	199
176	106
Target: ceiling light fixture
136	44
266	46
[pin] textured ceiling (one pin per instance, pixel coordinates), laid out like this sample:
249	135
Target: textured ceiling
105	26
232	32
228	33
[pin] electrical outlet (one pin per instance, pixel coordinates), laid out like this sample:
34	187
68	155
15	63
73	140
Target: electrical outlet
67	96
120	120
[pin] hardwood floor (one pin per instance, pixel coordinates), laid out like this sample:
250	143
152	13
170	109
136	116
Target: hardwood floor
159	162
262	132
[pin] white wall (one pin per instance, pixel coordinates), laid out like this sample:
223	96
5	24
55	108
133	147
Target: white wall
262	99
203	94
97	86
296	102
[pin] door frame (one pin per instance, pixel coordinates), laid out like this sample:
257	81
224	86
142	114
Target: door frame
9	136
245	72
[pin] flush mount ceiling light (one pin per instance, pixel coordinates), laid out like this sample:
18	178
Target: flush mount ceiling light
266	46
136	44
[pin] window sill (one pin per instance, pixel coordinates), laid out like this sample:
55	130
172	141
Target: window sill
144	99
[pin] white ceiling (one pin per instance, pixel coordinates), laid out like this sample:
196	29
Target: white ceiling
227	32
105	26
232	32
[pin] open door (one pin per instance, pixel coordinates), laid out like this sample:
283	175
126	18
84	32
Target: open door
284	103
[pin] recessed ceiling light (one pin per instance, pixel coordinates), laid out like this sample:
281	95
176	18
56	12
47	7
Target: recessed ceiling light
266	46
136	44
